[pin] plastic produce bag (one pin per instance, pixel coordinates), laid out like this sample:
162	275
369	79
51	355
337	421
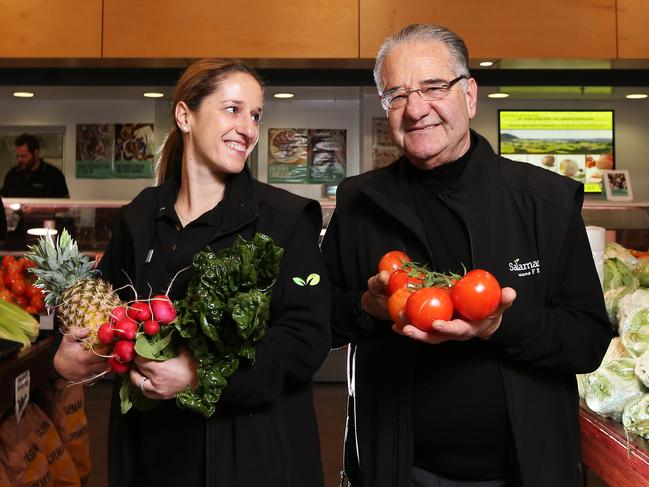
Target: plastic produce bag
614	250
611	300
638	298
636	416
642	272
614	351
65	406
618	274
634	332
611	386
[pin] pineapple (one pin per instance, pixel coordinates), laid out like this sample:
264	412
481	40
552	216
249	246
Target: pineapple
73	286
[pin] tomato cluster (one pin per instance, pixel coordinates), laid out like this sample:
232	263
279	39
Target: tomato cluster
17	285
425	296
125	323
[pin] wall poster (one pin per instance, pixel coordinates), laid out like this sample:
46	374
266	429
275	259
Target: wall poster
311	156
114	151
384	152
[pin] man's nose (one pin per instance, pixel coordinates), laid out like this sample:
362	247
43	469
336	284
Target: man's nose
416	106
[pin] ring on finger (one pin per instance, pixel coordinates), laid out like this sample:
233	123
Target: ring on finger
144	379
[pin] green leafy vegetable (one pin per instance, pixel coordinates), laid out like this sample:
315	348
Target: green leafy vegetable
225	312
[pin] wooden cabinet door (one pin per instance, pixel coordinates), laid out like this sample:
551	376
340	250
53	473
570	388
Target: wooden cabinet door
250	29
501	29
633	29
50	29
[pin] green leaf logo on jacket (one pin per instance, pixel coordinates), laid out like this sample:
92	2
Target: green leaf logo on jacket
311	280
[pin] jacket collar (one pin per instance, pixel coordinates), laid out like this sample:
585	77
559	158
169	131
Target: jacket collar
240	208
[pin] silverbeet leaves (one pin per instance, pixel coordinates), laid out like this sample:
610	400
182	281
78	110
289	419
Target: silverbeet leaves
225	312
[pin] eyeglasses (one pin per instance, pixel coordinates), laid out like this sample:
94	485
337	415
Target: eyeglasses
395	99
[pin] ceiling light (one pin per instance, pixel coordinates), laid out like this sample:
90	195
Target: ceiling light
283	95
23	94
41	232
15	206
486	64
152	94
498	95
637	96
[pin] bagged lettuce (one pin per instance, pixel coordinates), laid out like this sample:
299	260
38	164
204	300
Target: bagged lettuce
614	351
611	300
611	386
614	250
618	274
635	417
641	272
628	303
634	332
642	368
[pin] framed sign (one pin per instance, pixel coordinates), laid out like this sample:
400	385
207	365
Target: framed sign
617	185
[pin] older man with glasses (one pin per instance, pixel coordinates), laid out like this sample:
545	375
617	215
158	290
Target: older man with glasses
484	403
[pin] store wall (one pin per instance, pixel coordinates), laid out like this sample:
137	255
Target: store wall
346	108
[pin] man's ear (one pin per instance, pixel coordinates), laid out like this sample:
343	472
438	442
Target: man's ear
471	96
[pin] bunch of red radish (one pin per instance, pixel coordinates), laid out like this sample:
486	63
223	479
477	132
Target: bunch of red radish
126	322
424	296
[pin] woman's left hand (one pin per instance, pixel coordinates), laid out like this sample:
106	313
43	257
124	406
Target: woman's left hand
163	380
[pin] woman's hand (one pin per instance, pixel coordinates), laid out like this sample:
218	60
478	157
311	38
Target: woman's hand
163	380
74	363
459	329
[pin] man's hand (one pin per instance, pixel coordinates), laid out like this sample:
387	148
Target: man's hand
374	301
459	329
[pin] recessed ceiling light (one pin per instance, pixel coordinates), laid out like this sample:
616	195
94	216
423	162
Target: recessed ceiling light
152	94
15	206
498	95
486	64
23	94
284	95
636	96
41	232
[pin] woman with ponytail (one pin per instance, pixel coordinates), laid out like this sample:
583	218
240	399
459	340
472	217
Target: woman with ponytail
263	432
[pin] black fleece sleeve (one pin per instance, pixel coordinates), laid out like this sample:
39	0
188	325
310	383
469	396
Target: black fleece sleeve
572	333
348	320
298	338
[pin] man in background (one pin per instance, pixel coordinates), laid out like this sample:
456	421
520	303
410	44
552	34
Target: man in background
33	177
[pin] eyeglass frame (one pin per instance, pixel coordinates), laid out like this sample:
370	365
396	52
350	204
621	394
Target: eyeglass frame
444	88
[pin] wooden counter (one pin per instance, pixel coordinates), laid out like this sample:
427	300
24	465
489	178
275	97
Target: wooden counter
606	453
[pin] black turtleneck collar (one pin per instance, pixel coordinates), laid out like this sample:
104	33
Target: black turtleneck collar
441	177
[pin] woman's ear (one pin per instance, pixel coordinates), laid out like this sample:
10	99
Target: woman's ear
182	116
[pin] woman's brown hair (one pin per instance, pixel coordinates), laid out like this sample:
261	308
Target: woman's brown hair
199	81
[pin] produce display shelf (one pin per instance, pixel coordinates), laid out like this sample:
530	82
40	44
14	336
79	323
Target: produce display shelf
37	360
606	453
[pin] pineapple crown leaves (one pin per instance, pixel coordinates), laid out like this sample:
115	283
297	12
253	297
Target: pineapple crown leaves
59	265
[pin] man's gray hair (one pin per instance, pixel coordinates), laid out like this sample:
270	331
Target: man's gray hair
424	33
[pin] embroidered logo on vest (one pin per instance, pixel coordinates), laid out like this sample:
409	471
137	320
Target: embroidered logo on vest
524	269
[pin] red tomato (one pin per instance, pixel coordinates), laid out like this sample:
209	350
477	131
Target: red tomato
20	301
18	287
476	295
427	305
397	303
401	278
31	310
8	259
37	302
6	295
392	261
31	291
